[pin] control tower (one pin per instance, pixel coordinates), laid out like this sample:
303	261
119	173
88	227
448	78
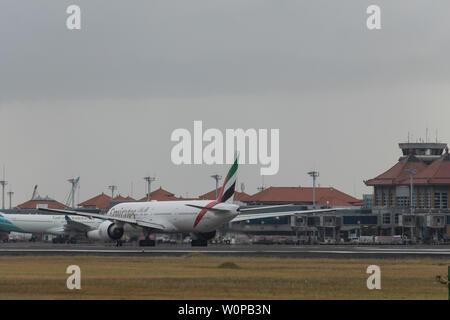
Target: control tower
425	151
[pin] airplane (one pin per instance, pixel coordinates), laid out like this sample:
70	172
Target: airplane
62	226
200	218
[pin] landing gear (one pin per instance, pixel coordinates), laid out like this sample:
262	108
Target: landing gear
119	243
199	243
58	240
201	239
67	240
147	243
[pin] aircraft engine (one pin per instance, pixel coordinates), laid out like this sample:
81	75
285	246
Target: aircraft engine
106	231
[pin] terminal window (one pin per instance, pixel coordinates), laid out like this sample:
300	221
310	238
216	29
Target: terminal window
441	199
387	218
421	203
392	198
428	198
403	201
378	198
385	197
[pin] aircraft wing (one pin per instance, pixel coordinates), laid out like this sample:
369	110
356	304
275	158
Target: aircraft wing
245	217
76	226
139	223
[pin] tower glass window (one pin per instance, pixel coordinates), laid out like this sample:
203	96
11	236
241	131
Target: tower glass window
421	202
378	197
403	202
385	197
441	198
392	198
387	218
428	200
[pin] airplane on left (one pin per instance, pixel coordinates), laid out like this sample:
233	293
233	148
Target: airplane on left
63	226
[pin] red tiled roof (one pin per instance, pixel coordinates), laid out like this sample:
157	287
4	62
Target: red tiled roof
241	196
159	195
47	202
163	195
98	202
121	198
398	174
438	172
238	196
324	196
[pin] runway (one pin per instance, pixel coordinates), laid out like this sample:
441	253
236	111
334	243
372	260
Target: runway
328	251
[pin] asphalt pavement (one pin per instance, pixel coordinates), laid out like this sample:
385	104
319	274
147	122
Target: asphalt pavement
288	251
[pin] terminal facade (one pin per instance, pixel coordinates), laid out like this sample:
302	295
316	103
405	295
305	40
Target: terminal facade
421	174
411	198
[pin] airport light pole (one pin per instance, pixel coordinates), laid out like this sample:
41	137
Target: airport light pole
3	183
314	175
112	188
411	172
149	186
217	178
10	194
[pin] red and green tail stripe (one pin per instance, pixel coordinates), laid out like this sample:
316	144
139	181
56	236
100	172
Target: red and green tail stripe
229	184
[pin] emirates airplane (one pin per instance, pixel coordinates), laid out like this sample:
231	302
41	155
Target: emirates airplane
200	218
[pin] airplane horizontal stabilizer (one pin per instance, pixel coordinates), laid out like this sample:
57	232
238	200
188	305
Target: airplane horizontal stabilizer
208	209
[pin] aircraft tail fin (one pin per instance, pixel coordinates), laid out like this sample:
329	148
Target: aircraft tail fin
229	185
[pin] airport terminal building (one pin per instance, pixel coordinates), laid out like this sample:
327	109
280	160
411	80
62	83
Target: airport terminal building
305	227
411	198
421	174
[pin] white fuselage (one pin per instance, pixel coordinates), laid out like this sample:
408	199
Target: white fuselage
177	216
48	224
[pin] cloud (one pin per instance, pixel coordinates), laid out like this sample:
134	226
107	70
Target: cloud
198	48
102	102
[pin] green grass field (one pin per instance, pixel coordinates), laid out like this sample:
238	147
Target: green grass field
200	277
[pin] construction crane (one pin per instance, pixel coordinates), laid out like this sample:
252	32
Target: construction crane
71	197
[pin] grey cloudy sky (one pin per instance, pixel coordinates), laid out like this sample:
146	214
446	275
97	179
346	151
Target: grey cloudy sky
102	102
